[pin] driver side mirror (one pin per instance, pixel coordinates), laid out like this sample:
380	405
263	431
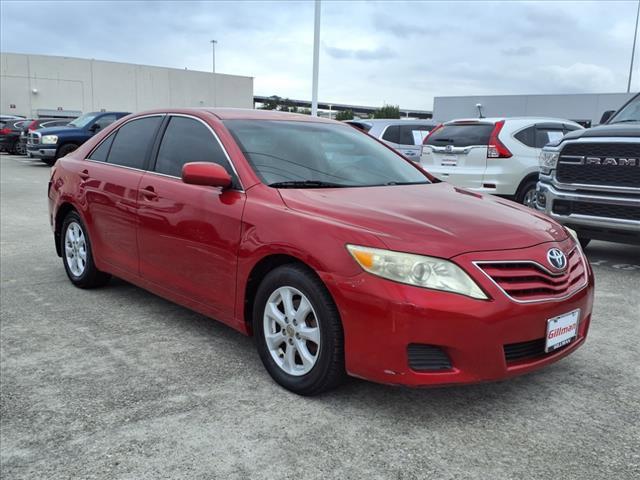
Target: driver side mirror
606	116
205	173
94	128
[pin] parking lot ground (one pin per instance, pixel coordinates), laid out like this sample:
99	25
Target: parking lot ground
119	383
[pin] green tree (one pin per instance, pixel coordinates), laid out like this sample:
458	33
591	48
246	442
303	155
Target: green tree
344	115
387	111
271	103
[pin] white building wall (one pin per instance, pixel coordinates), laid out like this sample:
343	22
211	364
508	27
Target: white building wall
571	106
41	82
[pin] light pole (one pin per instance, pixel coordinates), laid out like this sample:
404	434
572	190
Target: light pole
316	54
213	55
633	50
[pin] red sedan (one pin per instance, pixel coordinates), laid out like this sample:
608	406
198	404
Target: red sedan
339	255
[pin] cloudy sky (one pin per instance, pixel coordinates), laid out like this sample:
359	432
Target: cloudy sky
371	52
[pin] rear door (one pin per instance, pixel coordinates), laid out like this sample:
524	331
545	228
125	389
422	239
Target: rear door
189	234
457	153
110	181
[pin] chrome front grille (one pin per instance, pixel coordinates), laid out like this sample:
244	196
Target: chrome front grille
34	138
528	281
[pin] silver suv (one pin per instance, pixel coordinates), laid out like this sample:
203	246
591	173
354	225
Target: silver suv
405	136
493	155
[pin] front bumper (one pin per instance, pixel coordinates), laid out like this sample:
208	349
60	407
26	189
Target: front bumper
591	226
382	319
41	151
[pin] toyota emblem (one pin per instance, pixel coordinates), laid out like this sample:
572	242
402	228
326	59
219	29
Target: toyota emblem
556	258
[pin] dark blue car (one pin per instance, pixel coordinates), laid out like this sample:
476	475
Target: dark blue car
49	144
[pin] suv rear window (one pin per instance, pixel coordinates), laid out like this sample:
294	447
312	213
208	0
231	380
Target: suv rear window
462	134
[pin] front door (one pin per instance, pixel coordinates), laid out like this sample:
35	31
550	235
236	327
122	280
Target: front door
189	235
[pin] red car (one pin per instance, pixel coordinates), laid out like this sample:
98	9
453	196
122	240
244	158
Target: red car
339	255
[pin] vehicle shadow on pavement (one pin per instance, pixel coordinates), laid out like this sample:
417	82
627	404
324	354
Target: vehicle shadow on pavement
355	395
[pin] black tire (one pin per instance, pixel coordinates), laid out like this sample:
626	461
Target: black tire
66	149
527	189
584	242
328	370
90	276
48	161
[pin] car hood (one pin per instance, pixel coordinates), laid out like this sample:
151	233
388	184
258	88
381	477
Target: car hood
433	219
56	130
613	130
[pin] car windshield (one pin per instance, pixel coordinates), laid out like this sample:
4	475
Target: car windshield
288	154
629	114
83	121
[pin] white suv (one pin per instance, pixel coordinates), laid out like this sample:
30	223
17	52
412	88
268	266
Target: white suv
492	155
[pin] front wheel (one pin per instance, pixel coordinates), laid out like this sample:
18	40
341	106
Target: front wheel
66	149
77	256
298	331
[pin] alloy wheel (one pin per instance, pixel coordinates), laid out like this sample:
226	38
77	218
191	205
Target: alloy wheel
529	199
75	248
291	331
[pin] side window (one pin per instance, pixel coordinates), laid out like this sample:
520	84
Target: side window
187	140
132	142
527	136
100	153
546	135
412	134
392	134
105	121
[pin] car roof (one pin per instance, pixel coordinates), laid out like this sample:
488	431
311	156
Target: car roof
510	119
241	114
104	113
392	121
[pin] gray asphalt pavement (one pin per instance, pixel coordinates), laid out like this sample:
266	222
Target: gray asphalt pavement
117	383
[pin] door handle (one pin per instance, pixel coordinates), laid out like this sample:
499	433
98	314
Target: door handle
149	193
84	174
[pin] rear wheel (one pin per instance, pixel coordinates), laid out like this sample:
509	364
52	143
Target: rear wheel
527	194
298	331
77	256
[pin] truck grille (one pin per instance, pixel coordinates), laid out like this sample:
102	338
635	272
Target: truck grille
614	175
34	138
528	281
624	212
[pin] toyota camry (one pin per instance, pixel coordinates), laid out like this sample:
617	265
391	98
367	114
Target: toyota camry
339	255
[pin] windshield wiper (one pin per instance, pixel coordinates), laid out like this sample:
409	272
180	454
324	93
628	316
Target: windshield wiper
305	184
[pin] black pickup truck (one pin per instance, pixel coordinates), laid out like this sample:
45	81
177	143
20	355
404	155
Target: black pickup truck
590	180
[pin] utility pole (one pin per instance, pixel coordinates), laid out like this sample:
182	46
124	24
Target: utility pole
213	55
633	50
316	54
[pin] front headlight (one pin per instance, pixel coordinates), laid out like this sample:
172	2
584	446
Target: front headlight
548	160
50	139
418	270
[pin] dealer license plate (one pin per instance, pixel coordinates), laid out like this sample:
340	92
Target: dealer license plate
562	330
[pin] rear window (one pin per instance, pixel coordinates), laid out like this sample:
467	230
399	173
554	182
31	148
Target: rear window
462	135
